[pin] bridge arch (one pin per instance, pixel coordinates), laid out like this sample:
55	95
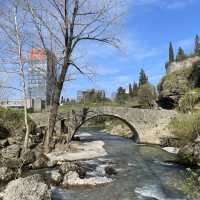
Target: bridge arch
135	136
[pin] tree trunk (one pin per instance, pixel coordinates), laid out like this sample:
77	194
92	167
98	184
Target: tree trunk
26	125
53	113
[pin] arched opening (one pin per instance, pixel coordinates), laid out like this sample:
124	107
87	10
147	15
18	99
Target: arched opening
134	136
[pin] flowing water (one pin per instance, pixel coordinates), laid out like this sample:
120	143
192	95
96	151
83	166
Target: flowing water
142	174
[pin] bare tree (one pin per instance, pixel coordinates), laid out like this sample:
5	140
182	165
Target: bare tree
13	35
63	26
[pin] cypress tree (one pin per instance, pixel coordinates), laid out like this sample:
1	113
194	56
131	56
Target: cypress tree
143	79
130	90
181	55
135	89
171	53
197	45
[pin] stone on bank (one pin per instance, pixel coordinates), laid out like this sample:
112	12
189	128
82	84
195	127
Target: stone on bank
29	188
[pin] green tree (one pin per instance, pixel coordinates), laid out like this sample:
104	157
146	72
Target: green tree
135	89
197	45
143	78
181	55
171	53
121	95
147	95
130	90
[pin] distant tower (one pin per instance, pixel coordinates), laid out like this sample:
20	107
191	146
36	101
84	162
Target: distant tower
42	67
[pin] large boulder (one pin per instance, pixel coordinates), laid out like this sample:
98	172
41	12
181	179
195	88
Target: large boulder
29	188
189	155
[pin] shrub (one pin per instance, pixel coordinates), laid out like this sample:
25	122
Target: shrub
14	120
187	102
186	127
191	186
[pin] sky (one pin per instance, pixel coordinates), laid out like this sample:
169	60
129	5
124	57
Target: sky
146	30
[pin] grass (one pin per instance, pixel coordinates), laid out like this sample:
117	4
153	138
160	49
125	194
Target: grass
186	126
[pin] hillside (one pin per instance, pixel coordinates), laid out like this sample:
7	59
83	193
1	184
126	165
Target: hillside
181	77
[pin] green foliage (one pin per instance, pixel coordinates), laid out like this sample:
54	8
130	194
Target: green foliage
186	127
147	95
121	95
130	90
135	89
171	53
191	186
188	102
143	79
177	82
93	96
14	119
181	55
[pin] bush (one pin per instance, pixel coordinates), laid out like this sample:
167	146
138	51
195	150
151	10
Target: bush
191	186
186	127
187	102
13	120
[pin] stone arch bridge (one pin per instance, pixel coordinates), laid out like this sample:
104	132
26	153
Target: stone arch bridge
147	125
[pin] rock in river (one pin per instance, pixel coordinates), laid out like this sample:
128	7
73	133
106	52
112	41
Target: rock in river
73	179
110	170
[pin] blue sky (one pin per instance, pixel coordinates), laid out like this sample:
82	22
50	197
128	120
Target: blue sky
147	28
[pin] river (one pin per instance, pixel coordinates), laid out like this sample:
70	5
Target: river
142	173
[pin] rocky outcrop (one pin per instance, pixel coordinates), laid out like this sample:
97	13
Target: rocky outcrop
177	83
189	155
29	188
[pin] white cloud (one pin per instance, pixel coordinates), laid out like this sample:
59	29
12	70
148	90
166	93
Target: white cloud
139	51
